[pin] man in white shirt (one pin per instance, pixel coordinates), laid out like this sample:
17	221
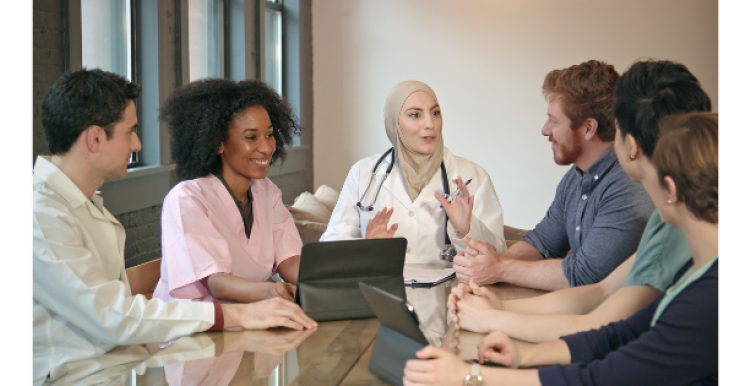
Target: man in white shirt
83	305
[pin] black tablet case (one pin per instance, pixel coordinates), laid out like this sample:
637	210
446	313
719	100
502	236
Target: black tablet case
329	273
398	338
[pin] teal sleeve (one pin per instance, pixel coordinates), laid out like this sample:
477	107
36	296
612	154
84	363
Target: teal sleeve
663	250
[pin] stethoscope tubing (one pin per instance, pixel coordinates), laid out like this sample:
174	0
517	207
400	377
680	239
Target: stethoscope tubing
443	175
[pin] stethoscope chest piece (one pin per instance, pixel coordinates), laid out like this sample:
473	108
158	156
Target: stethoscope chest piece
363	208
448	253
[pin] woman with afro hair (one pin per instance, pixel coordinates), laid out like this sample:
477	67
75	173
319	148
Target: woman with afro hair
225	230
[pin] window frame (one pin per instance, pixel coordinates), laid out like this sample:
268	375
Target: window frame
149	180
161	65
77	61
222	33
278	6
296	174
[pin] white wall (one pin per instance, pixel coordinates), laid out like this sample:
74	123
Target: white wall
486	60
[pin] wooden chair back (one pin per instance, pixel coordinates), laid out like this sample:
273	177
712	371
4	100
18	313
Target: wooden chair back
513	235
143	278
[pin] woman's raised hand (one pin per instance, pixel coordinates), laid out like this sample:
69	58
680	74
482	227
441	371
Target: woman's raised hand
377	227
459	211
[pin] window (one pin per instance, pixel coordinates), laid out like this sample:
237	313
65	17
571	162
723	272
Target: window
134	39
206	38
273	45
284	61
107	40
106	36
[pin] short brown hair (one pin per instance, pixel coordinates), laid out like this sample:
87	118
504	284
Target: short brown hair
688	152
586	90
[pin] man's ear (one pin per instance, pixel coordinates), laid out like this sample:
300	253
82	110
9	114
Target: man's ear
590	127
94	136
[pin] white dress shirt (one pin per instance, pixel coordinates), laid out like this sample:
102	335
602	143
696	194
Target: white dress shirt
421	222
83	305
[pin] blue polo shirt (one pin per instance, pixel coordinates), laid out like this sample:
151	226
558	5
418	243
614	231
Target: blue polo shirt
598	215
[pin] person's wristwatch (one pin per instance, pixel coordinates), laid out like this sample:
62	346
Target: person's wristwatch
473	378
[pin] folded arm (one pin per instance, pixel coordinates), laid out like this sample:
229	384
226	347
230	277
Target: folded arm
540	274
224	286
577	300
549	327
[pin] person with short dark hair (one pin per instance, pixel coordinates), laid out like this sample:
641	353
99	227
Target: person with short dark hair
225	230
657	89
81	99
598	213
83	305
651	91
672	341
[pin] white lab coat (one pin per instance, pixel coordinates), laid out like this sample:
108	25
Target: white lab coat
83	306
421	222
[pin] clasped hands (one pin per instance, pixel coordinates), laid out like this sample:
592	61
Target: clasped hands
437	366
470	307
479	262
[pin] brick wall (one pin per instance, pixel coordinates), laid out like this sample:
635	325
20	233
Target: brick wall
49	61
143	240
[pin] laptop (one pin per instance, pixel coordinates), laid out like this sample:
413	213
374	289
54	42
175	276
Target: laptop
330	272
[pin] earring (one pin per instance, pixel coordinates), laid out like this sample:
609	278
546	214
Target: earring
669	202
632	158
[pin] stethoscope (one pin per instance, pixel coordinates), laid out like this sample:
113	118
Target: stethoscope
370	196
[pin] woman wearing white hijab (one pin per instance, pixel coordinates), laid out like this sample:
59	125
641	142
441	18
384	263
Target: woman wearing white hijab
410	202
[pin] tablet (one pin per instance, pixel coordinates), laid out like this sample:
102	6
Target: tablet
329	274
394	312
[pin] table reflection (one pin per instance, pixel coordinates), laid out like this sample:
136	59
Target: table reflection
336	352
254	357
430	307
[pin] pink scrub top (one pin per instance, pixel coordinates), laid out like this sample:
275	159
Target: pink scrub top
202	233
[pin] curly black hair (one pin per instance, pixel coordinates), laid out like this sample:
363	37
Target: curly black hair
198	117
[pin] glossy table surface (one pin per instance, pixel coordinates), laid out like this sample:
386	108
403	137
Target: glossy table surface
335	353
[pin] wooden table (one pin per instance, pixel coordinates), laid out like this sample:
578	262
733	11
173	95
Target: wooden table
336	353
